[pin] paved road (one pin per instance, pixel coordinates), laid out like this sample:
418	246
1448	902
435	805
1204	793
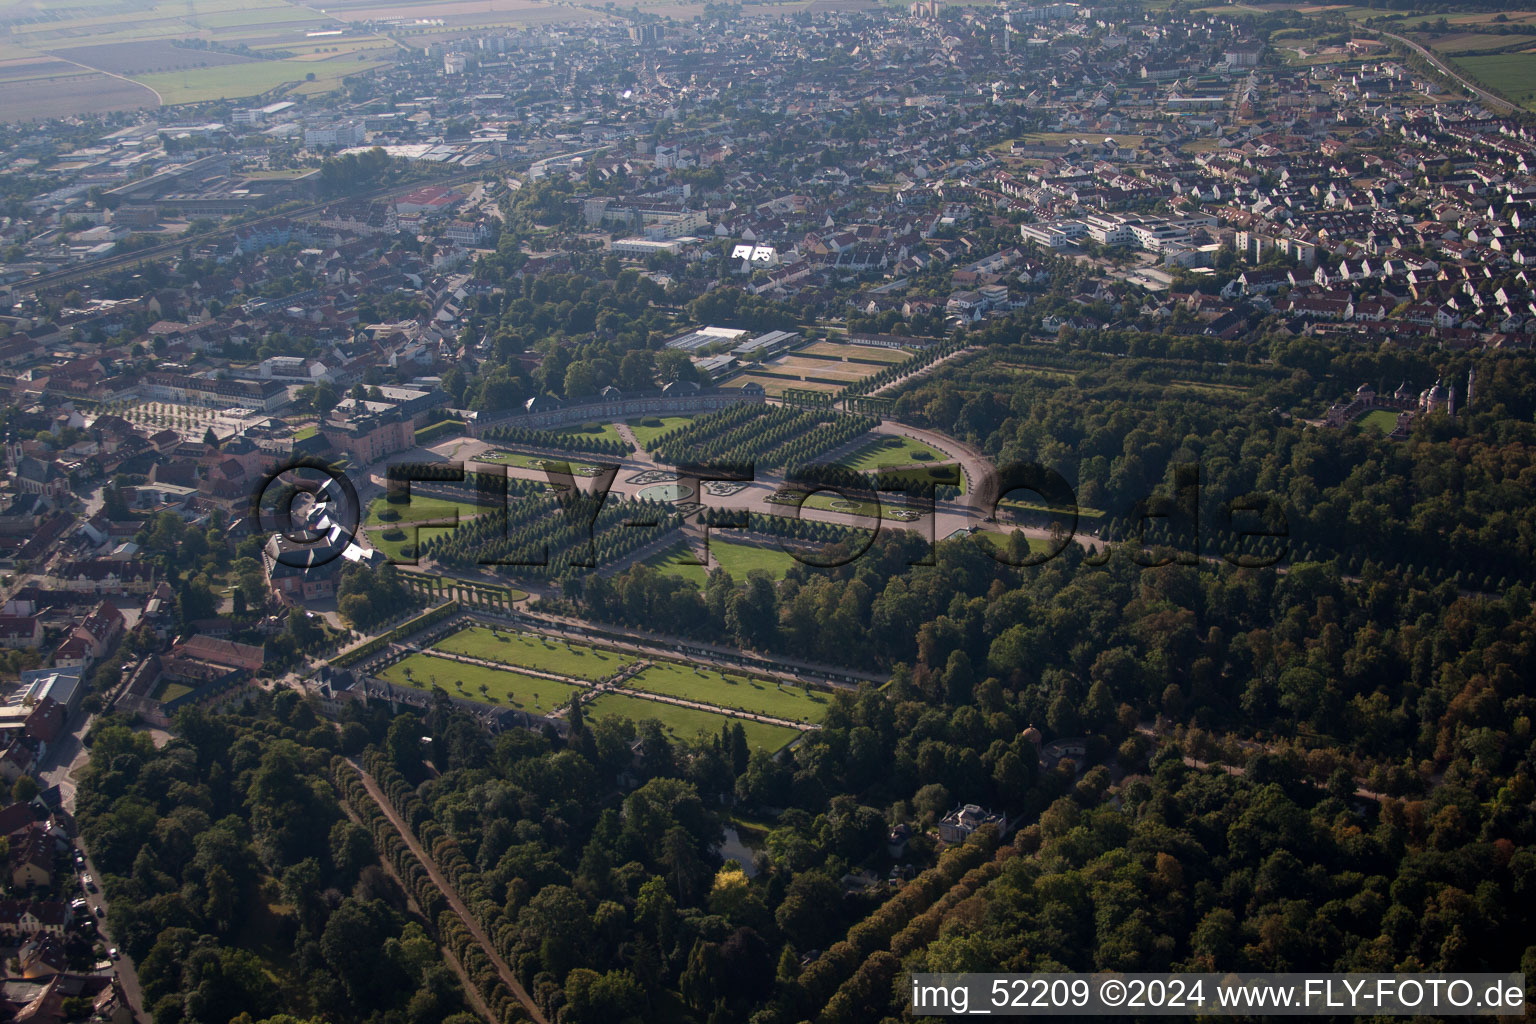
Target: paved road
452	896
1494	102
67	756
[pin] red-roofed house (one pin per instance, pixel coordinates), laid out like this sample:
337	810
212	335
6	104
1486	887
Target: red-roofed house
15	818
222	652
21	918
431	201
31	857
42	957
100	629
46	722
20	631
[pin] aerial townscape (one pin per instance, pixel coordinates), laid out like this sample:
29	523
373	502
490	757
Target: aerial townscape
702	512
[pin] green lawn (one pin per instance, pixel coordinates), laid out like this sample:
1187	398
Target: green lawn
535	461
503	687
170	691
731	690
999	540
649	428
687	723
422	508
736	559
394	547
1382	421
577	661
594	431
891	451
831	501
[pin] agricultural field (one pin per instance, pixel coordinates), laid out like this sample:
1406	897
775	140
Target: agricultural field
47	25
1511	74
147	57
574	660
494	686
332	48
402	18
1464	20
736	559
1455	43
730	690
252	79
687	723
650	428
62	60
39	98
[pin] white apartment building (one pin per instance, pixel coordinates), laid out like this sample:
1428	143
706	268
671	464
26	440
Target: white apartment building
1053	235
338	133
1110	228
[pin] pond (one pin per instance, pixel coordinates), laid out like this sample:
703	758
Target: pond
734	849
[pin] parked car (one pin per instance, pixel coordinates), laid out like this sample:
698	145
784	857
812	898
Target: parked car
100	912
113	953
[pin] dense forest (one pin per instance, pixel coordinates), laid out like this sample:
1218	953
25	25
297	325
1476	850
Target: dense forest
593	862
1452	499
241	889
